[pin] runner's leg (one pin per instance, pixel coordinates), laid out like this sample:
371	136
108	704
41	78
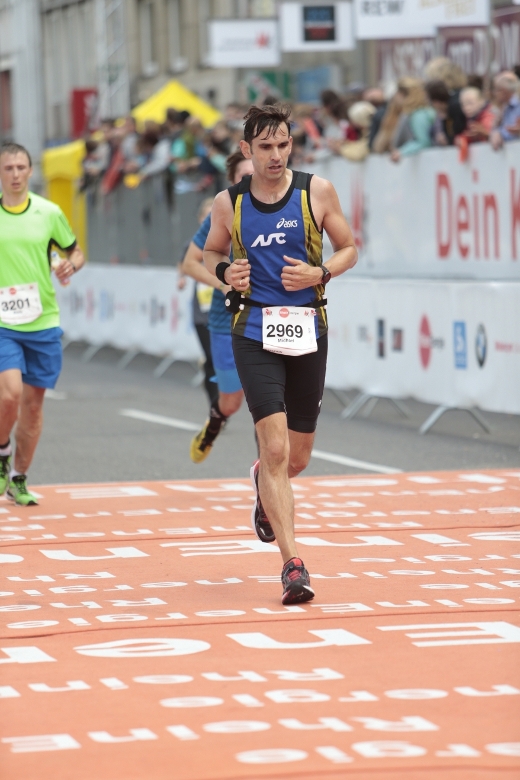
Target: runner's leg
29	427
300	451
210	386
11	389
273	481
229	403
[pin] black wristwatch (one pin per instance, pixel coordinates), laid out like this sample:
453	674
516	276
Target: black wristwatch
325	279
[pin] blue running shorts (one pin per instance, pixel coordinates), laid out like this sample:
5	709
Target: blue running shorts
37	354
224	362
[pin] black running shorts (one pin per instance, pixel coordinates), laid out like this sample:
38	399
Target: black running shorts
282	383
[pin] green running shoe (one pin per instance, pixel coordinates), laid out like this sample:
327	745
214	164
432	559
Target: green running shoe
5	465
17	491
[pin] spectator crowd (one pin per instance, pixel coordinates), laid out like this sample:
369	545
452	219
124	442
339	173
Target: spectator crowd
446	108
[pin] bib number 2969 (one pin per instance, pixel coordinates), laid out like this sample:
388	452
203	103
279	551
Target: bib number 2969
289	330
281	331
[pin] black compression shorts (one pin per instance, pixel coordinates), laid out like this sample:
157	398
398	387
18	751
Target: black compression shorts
282	383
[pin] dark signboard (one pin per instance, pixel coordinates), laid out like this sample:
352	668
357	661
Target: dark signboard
319	23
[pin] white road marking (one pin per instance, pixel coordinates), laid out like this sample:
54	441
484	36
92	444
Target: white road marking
353	463
158	419
55	395
184	425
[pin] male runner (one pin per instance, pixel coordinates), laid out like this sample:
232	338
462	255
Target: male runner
274	220
30	346
219	325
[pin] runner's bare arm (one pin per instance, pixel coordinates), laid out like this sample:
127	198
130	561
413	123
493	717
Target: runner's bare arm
69	265
218	244
193	266
328	214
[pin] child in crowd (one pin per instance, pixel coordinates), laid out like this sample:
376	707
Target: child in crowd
479	114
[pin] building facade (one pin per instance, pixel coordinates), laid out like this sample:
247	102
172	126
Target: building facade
21	84
127	49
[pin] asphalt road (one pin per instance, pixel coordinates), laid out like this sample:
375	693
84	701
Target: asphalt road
86	437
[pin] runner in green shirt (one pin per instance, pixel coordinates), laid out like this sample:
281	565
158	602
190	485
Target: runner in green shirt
30	336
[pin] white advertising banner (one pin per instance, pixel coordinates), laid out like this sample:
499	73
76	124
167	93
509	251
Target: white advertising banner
243	43
316	27
130	308
451	343
382	19
431	216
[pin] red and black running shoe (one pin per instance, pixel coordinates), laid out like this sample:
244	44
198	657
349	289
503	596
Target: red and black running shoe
261	525
296	582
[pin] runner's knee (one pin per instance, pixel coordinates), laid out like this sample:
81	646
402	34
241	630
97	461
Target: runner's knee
274	450
229	403
10	398
298	462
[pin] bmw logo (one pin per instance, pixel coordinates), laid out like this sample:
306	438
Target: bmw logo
481	345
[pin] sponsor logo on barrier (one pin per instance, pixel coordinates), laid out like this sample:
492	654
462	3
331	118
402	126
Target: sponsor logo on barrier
507	346
481	345
381	338
427	342
287	223
262	241
460	346
397	339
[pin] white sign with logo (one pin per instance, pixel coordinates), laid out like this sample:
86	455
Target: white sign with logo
317	27
383	19
243	43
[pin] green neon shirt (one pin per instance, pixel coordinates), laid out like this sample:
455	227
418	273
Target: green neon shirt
26	240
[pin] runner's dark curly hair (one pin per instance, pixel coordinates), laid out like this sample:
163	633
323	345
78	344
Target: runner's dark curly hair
260	118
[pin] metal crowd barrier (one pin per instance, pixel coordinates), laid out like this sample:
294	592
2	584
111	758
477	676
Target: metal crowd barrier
148	225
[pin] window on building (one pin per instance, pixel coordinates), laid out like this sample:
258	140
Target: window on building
149	58
205	14
6	117
177	61
262	8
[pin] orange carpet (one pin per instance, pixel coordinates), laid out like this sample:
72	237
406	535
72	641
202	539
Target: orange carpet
143	634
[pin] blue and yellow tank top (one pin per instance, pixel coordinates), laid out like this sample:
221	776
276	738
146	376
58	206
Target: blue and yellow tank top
265	232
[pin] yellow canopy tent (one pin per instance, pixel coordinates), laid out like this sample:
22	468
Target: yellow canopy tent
175	95
62	164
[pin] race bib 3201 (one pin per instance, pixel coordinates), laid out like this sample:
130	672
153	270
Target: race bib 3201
20	304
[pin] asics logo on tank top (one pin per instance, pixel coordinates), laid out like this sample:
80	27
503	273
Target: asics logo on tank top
261	240
287	223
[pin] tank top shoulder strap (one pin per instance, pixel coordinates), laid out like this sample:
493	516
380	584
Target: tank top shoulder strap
241	188
302	180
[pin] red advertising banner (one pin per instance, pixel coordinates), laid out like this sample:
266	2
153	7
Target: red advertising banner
83	105
475	49
505	39
404	57
468	47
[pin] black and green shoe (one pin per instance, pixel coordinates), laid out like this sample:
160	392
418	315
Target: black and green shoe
17	491
5	467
